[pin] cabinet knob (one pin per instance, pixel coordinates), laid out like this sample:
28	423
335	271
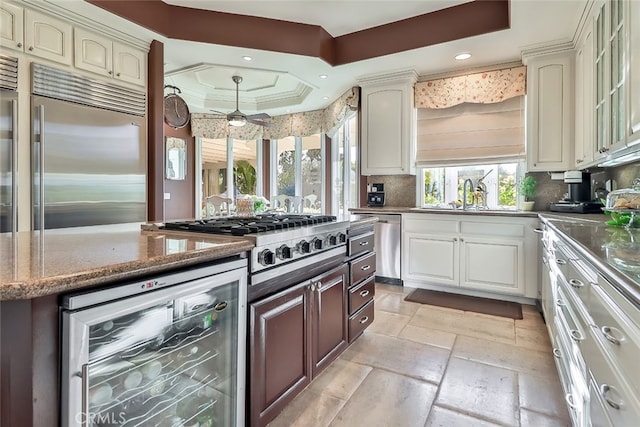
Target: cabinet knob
461	239
117	74
19	44
30	47
312	287
455	239
318	286
110	72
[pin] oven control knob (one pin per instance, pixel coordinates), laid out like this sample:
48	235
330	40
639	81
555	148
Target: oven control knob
341	237
332	240
316	243
266	257
284	252
304	247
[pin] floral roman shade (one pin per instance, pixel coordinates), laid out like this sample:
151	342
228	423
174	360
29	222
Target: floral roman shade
480	88
297	124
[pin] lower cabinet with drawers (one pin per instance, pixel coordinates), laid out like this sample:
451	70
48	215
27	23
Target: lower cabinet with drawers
595	333
362	268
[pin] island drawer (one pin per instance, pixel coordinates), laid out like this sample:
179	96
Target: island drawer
360	321
363	267
361	294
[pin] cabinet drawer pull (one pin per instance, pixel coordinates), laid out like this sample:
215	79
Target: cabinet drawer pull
556	353
560	303
605	389
576	283
365	267
560	261
576	335
569	398
365	319
364	243
610	333
364	293
538	230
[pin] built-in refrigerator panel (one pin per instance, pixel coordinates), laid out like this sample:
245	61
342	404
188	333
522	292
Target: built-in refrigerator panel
169	357
89	151
8	143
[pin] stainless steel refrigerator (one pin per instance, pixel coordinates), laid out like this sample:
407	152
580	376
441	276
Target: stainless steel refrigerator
8	142
88	151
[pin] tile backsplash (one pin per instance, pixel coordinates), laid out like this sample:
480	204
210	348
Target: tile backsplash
400	190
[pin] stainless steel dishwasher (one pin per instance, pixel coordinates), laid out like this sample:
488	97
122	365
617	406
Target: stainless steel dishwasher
387	231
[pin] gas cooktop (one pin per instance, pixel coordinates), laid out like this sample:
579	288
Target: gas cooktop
241	226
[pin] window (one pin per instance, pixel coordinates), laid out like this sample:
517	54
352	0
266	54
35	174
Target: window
493	186
299	166
345	182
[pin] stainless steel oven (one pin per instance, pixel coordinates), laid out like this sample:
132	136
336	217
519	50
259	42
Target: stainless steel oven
160	351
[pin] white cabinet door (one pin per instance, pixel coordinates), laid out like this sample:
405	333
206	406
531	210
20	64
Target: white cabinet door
93	52
11	26
129	64
430	258
388	124
549	113
48	38
634	71
495	265
585	101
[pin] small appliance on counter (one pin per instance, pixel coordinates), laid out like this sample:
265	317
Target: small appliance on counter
579	197
375	197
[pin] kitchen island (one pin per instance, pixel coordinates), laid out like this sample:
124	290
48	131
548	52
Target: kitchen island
35	270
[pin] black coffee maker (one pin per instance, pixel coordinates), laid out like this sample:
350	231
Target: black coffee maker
375	197
579	198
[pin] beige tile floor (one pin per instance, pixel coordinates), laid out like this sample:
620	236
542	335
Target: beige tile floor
419	365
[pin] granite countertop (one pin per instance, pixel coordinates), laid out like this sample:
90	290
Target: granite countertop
74	258
615	251
445	211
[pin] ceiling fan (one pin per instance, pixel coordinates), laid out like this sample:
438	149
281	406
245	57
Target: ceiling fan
238	118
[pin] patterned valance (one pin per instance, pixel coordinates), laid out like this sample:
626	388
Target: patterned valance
481	88
298	124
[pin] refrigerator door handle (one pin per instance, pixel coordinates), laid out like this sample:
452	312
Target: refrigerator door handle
14	165
85	394
41	166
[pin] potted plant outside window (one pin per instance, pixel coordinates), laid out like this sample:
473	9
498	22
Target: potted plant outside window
528	190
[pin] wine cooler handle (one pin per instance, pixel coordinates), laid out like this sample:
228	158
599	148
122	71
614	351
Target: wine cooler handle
85	395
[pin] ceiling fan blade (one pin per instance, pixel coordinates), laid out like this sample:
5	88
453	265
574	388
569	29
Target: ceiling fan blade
258	122
258	116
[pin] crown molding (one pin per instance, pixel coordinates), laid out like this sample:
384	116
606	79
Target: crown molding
398	76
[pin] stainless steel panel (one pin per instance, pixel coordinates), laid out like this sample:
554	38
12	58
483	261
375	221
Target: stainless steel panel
53	83
8	161
387	231
89	165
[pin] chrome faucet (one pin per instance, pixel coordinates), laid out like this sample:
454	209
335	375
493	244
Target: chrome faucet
464	192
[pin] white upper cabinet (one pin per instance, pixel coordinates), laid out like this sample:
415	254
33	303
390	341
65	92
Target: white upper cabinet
11	26
48	37
634	71
550	142
103	56
584	108
388	124
37	34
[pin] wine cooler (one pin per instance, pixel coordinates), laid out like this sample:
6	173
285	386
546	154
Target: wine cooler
164	351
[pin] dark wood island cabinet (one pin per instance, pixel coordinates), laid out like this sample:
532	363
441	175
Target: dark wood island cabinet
293	336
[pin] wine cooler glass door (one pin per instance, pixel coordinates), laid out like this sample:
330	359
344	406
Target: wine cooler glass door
170	357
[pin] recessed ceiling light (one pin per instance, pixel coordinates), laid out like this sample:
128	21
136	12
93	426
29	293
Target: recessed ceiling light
323	76
325	97
463	56
247	58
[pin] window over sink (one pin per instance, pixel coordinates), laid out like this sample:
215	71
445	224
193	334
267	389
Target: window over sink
442	187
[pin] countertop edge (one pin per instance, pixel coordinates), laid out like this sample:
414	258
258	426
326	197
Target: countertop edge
22	290
407	210
617	280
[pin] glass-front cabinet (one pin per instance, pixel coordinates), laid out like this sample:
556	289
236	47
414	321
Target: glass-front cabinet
611	60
